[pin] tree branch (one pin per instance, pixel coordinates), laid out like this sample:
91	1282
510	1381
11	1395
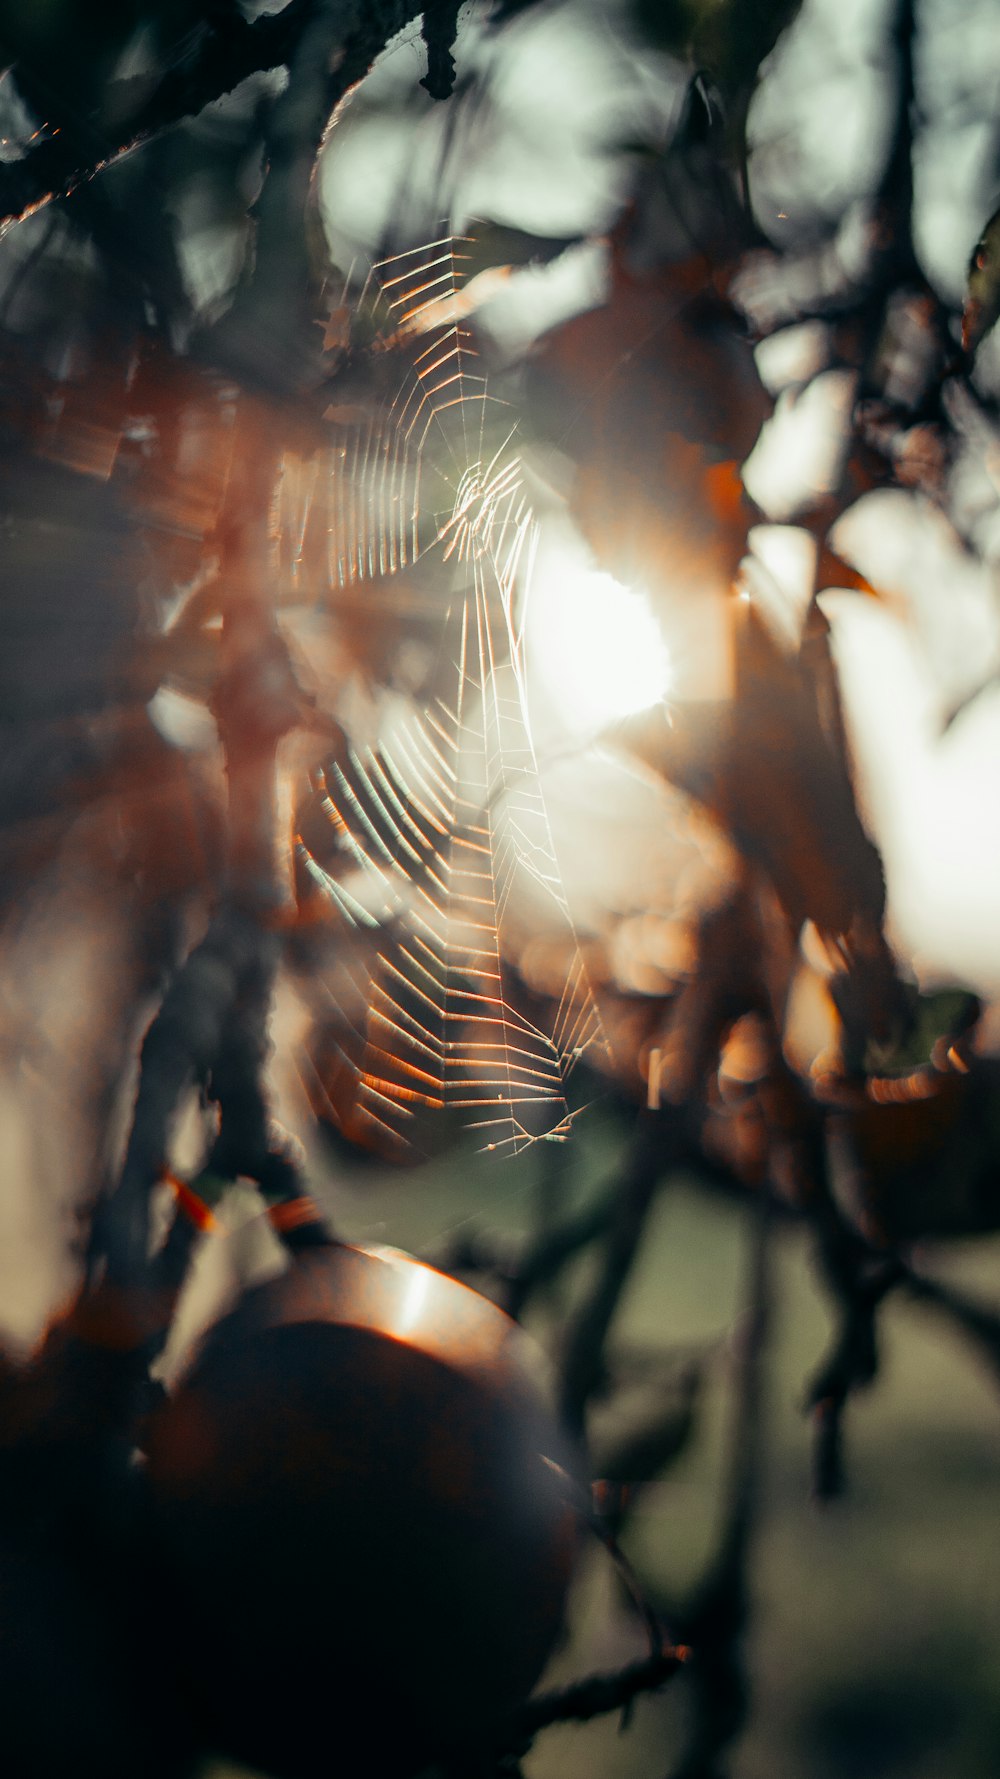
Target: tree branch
230	51
598	1693
656	1142
715	1624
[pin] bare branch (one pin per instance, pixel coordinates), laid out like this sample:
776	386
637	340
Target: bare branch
229	52
599	1693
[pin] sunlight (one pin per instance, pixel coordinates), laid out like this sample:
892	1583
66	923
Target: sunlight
414	1301
595	650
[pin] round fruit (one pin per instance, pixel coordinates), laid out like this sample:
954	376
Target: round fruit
358	1501
78	1692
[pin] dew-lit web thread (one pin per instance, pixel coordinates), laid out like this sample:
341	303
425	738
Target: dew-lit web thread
394	468
429	847
392	473
440	824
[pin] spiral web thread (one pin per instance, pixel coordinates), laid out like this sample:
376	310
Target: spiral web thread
439	834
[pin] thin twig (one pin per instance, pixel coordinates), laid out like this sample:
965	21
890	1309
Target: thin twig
653	1146
715	1624
598	1694
229	52
180	1047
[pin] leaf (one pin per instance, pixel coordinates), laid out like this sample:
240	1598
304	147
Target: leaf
651	393
765	767
69	608
489	244
982	292
924	1147
731	38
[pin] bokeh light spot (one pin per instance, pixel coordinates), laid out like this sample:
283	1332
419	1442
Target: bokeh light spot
596	651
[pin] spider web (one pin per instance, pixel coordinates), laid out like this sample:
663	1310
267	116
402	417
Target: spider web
434	843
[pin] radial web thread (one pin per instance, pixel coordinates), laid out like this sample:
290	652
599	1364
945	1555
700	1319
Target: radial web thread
435	844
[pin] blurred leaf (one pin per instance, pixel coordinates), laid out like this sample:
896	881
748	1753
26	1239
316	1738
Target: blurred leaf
66	47
487	244
925	1148
657	396
69	606
742	964
942	1020
730	38
765	767
982	293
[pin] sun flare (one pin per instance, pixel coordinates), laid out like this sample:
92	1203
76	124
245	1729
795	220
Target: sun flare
595	651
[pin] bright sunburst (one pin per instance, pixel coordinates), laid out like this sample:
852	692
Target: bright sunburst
596	652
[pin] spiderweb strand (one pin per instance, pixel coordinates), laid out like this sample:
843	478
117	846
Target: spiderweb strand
437	839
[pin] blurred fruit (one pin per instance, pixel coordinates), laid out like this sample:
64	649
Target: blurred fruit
76	1695
81	1688
364	1550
